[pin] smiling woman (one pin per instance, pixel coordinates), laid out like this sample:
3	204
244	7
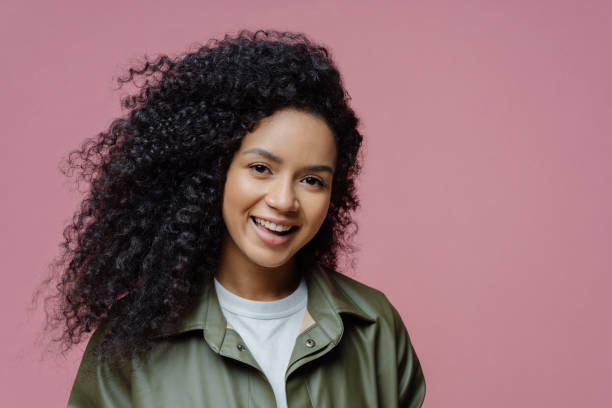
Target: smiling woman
204	259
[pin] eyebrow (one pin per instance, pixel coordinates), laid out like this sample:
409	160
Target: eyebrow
270	156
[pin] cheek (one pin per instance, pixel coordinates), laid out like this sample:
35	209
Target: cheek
317	211
239	193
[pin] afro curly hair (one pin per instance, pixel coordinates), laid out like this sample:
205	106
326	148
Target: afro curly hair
148	231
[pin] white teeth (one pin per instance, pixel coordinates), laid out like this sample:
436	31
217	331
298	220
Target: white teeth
271	226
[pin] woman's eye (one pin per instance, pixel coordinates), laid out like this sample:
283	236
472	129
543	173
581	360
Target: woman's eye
259	168
316	181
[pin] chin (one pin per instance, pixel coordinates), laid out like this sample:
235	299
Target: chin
270	260
272	263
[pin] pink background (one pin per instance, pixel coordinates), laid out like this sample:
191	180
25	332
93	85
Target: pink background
486	194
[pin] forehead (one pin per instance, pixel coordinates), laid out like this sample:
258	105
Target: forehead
293	134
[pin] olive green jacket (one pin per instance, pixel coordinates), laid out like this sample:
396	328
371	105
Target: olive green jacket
352	351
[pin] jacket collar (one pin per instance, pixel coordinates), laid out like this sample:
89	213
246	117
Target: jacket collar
326	306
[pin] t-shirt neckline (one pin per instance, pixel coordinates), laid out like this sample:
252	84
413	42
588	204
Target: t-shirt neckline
257	309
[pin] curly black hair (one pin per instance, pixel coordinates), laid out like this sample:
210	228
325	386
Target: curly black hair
148	231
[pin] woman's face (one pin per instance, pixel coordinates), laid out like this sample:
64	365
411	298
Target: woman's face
282	172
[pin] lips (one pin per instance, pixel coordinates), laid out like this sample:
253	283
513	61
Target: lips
269	237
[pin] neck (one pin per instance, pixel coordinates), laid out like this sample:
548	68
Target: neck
255	282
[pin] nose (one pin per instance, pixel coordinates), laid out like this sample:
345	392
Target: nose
281	196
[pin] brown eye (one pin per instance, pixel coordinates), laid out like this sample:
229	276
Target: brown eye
259	168
316	181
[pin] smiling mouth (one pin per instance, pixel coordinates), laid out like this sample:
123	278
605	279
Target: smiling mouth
280	233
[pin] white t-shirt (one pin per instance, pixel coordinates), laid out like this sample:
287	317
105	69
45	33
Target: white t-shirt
269	330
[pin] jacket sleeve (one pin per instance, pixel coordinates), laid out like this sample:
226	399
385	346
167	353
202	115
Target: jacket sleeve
99	384
411	382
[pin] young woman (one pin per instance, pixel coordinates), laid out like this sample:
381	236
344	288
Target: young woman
205	256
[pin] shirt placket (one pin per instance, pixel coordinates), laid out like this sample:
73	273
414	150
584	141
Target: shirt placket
226	341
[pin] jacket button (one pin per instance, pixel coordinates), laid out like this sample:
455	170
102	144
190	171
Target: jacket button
310	343
240	347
